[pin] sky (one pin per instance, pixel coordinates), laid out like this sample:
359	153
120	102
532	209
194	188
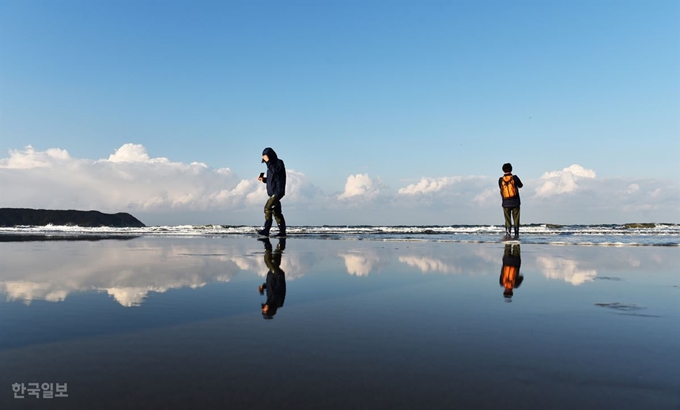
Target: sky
384	112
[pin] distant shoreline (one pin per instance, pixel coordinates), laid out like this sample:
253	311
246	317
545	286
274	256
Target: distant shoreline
12	217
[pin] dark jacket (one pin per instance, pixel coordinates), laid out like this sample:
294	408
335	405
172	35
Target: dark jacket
275	283
514	201
510	277
276	290
276	174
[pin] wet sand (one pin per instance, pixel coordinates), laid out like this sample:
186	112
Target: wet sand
173	323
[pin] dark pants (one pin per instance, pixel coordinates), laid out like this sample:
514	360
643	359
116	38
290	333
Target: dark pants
273	206
515	215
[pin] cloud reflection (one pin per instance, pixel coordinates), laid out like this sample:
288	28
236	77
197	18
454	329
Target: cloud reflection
564	269
360	262
128	273
429	264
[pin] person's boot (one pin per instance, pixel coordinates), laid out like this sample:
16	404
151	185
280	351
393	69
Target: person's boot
516	233
507	233
281	222
282	231
265	230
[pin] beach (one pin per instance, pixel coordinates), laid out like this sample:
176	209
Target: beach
145	322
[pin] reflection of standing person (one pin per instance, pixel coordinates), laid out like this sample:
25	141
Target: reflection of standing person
276	189
510	185
510	277
275	284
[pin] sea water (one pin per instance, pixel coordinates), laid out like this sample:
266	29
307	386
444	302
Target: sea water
173	320
603	235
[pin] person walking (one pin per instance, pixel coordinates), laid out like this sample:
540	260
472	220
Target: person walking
276	189
509	185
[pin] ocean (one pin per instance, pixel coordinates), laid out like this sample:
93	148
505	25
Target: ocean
406	317
648	234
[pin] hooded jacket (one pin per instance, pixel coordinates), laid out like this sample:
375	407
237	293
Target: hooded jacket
276	174
276	278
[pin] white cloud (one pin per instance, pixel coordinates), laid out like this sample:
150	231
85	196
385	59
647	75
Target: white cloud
361	187
488	196
429	185
632	188
132	153
576	190
132	180
29	158
563	182
454	192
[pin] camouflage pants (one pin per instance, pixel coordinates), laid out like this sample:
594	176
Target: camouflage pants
515	215
273	207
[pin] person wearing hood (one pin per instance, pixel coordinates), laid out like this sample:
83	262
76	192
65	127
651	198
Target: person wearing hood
275	284
276	189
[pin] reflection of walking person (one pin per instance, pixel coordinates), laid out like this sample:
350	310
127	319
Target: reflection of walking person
276	189
275	284
510	276
510	185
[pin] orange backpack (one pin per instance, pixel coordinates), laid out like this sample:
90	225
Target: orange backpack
508	188
509	276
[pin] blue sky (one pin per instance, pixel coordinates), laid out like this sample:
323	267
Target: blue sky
363	99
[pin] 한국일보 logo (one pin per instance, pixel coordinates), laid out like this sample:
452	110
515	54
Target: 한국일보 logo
36	390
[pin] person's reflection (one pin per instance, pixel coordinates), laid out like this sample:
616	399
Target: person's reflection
510	276
275	284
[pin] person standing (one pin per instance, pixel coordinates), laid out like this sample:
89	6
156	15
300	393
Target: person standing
276	189
509	185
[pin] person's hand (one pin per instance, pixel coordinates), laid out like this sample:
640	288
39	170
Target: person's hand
260	179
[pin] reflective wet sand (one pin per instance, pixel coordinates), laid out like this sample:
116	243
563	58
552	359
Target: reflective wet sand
178	323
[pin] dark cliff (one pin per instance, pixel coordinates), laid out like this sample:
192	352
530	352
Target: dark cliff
40	217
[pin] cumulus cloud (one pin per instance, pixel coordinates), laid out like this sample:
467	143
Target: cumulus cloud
607	200
132	153
132	180
30	158
429	185
632	188
564	181
486	197
361	187
461	192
